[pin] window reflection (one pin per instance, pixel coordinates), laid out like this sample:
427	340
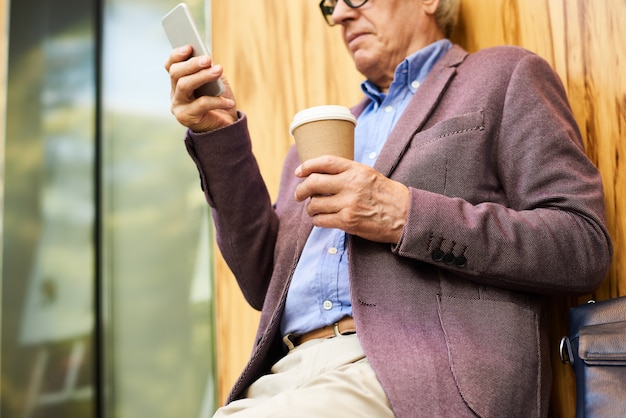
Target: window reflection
48	249
156	230
59	295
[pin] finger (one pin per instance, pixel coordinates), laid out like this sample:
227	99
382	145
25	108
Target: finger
186	86
180	62
189	75
317	184
203	113
172	64
206	113
185	102
178	55
328	164
177	64
321	204
325	220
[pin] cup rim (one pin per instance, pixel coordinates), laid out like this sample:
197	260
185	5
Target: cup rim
322	112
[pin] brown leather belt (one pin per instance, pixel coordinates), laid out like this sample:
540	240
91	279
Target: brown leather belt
343	327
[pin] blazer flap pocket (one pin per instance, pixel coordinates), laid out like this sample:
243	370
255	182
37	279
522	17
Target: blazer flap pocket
455	126
603	344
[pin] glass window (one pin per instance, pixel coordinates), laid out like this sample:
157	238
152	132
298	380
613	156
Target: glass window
155	229
49	212
107	298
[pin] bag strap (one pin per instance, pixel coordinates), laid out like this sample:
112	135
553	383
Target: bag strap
565	351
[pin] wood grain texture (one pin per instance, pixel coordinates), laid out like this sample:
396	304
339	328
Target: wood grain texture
281	57
585	42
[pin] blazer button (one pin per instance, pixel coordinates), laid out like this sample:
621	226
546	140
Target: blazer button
460	261
438	255
448	258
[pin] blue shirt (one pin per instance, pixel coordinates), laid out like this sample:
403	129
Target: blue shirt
319	293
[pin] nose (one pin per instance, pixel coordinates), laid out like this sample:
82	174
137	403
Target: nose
342	12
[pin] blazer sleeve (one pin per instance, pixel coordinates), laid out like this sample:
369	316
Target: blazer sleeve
246	224
543	229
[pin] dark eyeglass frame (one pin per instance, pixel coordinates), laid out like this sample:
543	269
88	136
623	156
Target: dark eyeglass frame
327	11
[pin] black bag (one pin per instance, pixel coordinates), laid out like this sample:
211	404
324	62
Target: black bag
596	348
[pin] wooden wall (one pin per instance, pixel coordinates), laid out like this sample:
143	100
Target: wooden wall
281	57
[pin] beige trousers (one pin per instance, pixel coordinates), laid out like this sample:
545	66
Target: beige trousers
329	378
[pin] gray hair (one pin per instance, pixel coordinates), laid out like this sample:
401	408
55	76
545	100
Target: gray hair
447	15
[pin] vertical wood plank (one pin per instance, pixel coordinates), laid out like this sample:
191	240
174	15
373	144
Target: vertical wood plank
280	57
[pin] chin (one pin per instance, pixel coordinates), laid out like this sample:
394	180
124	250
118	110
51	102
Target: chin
366	66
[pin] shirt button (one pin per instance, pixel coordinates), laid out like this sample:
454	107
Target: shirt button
415	84
389	109
372	155
328	305
332	250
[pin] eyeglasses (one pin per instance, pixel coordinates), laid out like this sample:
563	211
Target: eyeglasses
328	7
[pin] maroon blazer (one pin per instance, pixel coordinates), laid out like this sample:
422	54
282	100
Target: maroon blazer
505	209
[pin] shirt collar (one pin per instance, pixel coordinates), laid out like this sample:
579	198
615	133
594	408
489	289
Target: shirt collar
411	72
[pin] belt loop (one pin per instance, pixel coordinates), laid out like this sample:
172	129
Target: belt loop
336	329
288	342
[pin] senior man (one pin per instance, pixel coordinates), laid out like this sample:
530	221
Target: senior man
411	281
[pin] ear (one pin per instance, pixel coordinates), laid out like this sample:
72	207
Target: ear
430	6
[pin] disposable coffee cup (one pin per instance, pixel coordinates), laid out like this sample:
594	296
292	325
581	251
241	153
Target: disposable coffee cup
324	130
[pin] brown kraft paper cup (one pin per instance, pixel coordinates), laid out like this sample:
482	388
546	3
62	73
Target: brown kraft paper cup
324	130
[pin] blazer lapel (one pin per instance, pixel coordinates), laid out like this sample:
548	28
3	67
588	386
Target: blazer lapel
418	110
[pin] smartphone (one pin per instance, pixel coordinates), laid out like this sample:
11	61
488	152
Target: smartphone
181	30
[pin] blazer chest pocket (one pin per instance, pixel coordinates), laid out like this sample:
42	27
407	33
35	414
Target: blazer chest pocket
457	126
454	157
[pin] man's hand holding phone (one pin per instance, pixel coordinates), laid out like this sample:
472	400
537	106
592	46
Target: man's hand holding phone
203	113
201	100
